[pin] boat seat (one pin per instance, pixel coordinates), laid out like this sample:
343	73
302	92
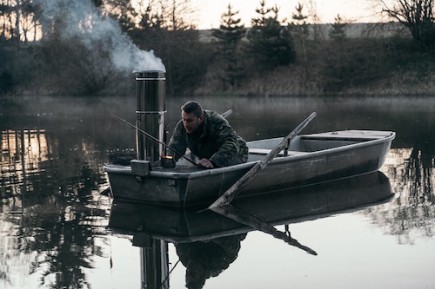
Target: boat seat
258	151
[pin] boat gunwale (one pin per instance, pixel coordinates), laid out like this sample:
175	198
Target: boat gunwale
389	137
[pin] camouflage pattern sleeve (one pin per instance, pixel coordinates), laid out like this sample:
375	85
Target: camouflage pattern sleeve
228	147
225	138
243	149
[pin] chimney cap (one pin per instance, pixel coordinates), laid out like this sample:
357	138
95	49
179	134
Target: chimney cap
149	74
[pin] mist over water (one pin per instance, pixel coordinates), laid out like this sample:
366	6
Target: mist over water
82	21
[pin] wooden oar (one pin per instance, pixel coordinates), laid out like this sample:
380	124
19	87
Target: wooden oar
227	113
242	217
229	195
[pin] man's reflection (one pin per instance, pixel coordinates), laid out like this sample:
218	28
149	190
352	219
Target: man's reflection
207	259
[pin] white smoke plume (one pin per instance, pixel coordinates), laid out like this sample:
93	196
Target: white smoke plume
83	21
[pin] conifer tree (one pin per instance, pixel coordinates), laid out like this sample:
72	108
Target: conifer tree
269	42
299	28
228	38
338	29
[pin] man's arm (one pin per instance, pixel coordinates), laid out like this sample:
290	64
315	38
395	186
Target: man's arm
228	146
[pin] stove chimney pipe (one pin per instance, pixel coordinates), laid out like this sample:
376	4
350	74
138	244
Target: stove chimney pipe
150	114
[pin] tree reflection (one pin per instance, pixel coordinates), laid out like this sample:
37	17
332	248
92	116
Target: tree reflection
413	209
66	242
418	173
53	192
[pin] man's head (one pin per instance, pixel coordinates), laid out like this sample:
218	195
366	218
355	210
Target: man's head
192	116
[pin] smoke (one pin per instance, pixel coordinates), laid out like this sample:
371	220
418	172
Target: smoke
82	21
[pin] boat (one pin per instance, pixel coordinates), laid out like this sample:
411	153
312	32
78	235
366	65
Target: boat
281	207
309	159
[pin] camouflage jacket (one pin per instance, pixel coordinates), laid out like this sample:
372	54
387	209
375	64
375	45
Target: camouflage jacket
214	140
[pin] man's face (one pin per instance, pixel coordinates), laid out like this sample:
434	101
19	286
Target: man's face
190	121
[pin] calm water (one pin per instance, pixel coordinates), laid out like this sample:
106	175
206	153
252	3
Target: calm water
54	223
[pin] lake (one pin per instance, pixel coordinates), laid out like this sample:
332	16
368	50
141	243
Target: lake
370	231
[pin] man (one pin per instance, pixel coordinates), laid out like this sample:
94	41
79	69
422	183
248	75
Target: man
206	259
209	136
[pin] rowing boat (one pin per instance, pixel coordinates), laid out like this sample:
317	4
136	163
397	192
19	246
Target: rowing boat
310	158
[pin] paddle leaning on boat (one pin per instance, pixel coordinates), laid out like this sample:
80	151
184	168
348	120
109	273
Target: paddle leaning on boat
208	136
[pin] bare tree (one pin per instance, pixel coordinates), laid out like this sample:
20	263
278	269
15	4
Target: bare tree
16	17
416	15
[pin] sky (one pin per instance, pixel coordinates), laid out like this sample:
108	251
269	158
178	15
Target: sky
209	11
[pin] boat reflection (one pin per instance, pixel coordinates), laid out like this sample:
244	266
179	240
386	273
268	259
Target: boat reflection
207	242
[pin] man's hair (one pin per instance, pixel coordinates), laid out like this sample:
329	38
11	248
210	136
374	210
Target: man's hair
192	107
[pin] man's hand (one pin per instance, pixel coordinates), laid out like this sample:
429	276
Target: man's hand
206	164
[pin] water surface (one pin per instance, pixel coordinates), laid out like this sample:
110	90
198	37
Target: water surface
54	222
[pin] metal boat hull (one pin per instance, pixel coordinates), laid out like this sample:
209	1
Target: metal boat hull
311	159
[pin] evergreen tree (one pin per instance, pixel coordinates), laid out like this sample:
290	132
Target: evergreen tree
338	29
228	38
150	19
299	27
263	13
164	27
124	12
269	42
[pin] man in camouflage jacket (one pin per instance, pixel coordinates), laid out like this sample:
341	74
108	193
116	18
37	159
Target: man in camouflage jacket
209	136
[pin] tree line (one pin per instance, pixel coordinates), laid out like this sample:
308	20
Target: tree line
45	49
